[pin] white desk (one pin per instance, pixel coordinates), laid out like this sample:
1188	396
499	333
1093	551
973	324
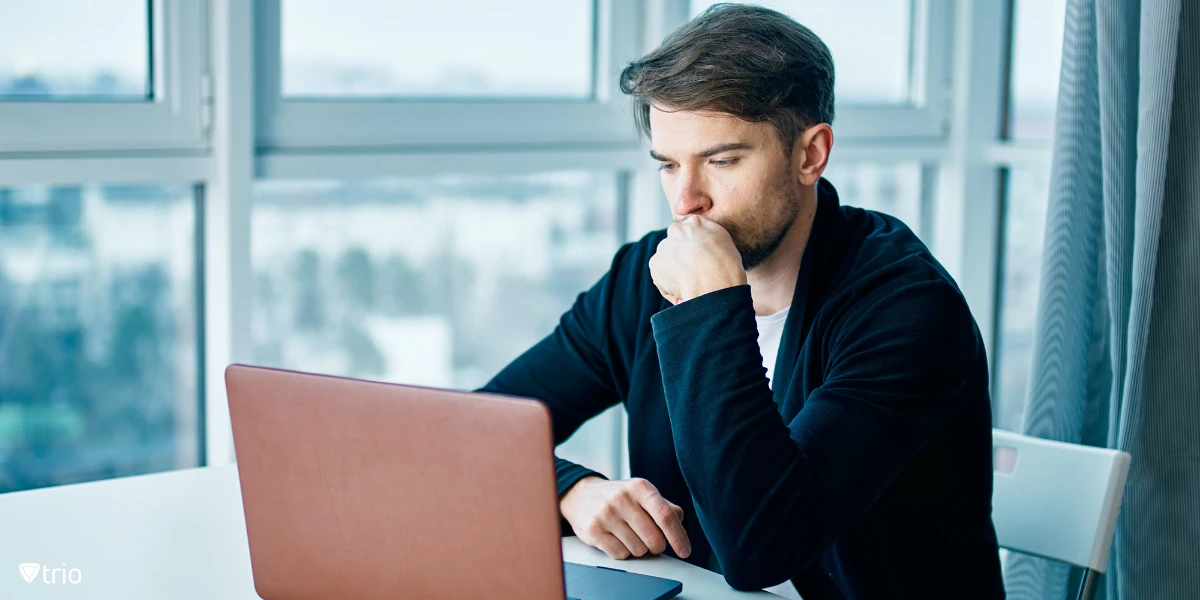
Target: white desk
182	535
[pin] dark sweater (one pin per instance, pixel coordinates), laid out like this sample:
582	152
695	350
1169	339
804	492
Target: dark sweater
865	473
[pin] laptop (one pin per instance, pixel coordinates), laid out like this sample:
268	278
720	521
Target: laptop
358	489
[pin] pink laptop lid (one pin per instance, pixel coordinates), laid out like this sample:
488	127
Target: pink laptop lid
356	489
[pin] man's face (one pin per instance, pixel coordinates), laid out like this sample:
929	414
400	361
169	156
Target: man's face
730	171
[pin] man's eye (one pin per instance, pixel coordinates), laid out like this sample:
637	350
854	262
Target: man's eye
725	162
666	167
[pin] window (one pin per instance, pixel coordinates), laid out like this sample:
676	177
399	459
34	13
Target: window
375	74
1035	57
457	49
892	64
1026	193
98	333
357	259
38	61
436	281
101	76
894	189
439	281
1036	60
879	72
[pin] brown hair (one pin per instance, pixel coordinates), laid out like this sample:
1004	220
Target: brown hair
747	61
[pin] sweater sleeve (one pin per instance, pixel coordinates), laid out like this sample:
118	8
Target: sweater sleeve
772	496
569	370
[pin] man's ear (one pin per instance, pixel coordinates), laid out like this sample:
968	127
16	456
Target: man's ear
811	153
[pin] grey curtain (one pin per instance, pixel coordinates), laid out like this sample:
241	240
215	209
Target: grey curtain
1117	355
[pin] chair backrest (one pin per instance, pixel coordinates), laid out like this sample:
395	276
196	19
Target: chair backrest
1055	499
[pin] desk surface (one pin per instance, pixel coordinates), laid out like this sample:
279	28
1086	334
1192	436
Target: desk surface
182	535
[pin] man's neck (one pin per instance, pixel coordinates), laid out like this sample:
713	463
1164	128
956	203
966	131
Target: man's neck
773	282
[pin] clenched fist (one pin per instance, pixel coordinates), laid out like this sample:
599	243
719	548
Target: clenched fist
698	256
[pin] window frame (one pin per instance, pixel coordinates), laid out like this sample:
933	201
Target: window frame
401	125
930	114
173	120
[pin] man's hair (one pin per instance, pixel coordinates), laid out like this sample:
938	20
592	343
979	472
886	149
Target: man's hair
747	61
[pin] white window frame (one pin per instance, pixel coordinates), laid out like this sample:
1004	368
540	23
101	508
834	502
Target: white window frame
173	120
285	124
928	117
105	169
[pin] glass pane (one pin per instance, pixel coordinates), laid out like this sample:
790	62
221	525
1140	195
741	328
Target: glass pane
894	189
1036	59
437	281
878	72
97	333
457	49
1028	190
75	50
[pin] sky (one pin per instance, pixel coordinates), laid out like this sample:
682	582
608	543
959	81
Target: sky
98	33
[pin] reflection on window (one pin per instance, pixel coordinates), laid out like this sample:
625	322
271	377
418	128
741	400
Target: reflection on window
41	57
1036	58
1024	228
894	189
877	71
455	49
98	363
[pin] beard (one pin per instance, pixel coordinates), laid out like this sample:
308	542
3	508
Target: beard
758	237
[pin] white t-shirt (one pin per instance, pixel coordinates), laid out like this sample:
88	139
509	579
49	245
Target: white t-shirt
770	332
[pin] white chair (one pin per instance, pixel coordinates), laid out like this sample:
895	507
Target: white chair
1057	500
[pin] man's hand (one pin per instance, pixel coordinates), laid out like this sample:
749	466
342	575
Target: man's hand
697	257
624	518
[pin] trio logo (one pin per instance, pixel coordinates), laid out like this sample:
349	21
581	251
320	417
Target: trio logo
29	571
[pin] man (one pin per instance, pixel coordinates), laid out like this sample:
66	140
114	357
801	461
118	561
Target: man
806	388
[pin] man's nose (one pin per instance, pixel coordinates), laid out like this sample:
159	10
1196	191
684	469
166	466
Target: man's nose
690	198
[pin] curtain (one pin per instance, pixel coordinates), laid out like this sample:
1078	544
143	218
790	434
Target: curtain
1117	349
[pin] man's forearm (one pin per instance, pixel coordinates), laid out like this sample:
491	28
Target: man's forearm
746	475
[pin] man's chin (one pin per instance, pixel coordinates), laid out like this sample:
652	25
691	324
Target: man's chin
754	256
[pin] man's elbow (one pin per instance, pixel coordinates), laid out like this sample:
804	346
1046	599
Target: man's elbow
747	575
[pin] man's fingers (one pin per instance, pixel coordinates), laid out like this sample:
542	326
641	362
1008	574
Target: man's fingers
632	542
645	528
610	545
670	298
670	523
678	510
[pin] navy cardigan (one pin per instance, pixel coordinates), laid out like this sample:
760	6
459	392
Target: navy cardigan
865	473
